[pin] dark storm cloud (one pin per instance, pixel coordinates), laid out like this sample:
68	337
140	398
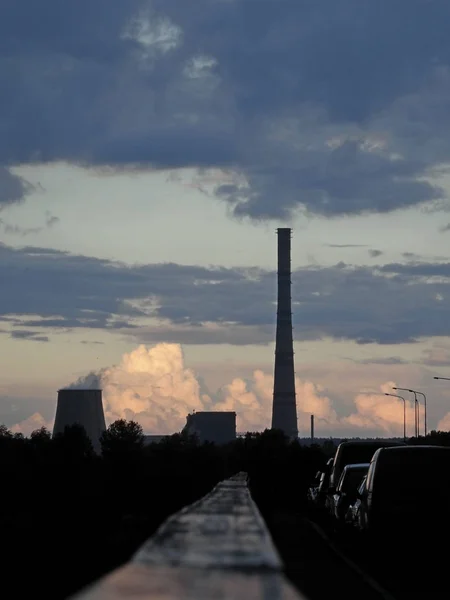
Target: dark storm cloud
22	334
418	269
333	108
345	245
388	360
373	253
50	221
13	189
55	291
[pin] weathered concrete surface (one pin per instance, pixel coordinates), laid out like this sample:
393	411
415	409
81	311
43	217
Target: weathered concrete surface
216	549
224	529
137	582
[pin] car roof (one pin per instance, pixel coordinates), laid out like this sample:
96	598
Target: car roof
412	448
356	466
383	442
409	449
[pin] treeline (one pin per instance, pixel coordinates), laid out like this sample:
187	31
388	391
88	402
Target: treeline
68	515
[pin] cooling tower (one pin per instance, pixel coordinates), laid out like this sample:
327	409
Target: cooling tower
82	407
284	410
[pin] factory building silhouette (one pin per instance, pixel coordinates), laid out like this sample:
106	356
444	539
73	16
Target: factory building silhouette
284	409
218	427
81	407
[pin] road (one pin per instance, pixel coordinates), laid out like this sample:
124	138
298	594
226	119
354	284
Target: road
315	567
323	567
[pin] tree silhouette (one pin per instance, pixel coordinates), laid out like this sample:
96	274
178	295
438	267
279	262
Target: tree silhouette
41	435
73	444
4	431
124	439
110	504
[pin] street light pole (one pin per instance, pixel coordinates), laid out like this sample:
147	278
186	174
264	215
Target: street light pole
417	413
425	407
416	409
404	412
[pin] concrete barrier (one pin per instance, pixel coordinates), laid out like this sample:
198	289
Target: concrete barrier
218	547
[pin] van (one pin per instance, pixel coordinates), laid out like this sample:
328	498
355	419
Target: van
353	452
407	488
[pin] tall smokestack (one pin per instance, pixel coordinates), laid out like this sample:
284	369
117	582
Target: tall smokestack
312	428
81	407
284	410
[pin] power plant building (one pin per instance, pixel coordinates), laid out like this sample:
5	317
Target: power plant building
284	408
81	407
216	427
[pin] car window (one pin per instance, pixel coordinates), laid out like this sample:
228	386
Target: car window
352	479
363	485
370	474
341	481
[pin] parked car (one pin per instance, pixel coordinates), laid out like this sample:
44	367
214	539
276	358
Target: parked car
354	452
313	489
352	515
320	494
406	493
346	491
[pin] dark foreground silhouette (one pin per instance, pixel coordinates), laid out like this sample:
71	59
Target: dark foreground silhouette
68	516
407	558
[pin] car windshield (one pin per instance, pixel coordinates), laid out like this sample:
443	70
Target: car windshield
351	479
363	485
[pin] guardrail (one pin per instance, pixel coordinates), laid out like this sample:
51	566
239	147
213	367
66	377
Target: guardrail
218	547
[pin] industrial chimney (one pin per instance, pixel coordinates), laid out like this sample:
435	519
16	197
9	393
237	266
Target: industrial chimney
284	410
82	407
312	429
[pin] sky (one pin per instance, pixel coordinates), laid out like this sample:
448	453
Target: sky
149	151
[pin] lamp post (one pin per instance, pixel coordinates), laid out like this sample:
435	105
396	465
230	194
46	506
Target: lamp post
416	393
416	409
425	407
404	412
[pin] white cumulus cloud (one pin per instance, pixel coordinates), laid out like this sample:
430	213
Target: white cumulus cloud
35	421
153	386
382	413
